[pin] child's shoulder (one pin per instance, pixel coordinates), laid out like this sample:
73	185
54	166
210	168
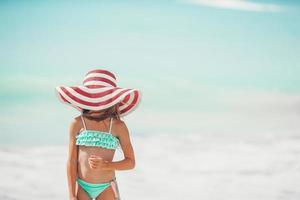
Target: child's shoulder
120	125
119	122
75	126
76	121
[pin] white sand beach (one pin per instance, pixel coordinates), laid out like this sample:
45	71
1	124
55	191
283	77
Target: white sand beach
185	167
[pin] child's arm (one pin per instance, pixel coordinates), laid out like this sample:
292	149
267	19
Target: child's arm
127	163
129	158
72	160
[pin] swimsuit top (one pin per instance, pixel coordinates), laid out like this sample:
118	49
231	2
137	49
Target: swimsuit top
97	138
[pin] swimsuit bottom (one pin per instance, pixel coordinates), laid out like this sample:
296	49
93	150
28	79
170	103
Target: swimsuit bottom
95	189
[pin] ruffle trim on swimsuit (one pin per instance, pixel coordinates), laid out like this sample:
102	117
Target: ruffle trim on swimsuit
97	138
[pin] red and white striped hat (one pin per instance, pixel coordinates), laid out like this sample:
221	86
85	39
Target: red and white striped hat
99	91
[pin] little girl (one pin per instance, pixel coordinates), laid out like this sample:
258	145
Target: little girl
96	134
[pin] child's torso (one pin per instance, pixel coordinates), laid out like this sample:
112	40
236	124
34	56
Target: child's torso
103	147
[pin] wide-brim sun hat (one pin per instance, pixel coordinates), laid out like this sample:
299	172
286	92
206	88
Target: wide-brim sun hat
98	92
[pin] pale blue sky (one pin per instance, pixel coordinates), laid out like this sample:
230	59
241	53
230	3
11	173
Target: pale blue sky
170	49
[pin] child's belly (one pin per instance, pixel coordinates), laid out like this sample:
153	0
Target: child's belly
88	174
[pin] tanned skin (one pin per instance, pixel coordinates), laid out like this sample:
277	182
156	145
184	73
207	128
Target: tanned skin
94	164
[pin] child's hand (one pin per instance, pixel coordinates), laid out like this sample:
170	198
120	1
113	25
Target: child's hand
97	162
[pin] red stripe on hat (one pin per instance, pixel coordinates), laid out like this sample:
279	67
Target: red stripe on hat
133	103
63	98
125	100
94	95
102	72
95	86
91	103
100	79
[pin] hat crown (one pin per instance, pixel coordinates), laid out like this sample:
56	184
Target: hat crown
100	78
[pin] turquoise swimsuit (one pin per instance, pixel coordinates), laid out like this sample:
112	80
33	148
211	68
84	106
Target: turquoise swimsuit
99	139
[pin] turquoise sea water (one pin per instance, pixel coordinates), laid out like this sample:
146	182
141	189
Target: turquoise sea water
200	70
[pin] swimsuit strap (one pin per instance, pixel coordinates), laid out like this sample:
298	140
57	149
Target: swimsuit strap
110	124
114	185
83	122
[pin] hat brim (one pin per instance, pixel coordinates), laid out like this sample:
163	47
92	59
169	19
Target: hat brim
81	97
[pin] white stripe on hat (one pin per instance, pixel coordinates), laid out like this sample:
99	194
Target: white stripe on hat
95	90
100	75
97	83
126	104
